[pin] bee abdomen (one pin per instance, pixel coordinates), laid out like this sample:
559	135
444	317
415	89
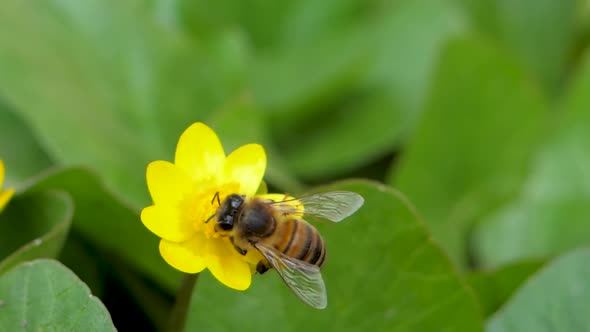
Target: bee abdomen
302	241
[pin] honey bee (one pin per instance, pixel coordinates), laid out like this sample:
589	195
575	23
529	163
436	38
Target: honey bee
289	244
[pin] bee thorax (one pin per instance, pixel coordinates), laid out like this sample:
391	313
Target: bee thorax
257	222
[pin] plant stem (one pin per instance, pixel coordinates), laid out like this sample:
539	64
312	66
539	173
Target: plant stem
182	302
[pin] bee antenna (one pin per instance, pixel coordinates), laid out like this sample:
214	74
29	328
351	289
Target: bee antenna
216	196
209	219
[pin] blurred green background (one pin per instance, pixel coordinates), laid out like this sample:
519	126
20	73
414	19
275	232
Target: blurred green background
466	124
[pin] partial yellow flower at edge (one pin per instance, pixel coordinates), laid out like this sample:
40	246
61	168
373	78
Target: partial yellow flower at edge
5	195
184	193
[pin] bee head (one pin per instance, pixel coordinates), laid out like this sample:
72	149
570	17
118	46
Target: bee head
228	211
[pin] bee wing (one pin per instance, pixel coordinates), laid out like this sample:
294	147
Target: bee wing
304	279
333	205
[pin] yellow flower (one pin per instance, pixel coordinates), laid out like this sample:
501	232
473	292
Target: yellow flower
6	194
183	199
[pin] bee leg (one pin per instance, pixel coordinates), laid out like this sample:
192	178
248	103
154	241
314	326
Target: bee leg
261	267
240	250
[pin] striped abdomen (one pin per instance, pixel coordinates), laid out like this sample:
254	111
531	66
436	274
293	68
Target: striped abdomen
298	239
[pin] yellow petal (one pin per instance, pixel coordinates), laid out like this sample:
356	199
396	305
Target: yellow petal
167	223
298	208
253	257
5	197
167	183
188	256
1	174
199	153
227	265
246	166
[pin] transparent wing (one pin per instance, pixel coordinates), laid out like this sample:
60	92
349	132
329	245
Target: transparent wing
304	279
333	205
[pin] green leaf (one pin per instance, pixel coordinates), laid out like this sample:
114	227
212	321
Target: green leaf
284	86
106	221
85	261
343	140
43	295
205	20
230	122
22	154
558	224
493	288
554	299
153	301
474	143
383	274
555	201
408	53
298	88
541	33
309	21
365	88
109	96
34	226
